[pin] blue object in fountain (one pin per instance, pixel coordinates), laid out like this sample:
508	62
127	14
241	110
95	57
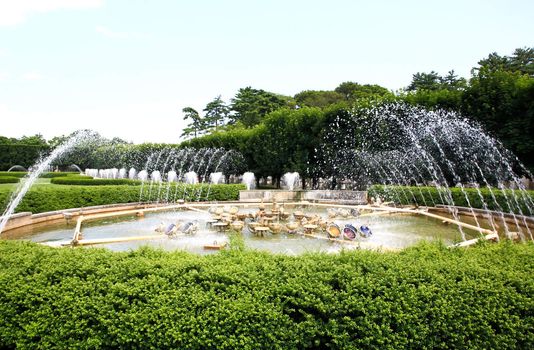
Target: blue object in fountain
365	231
169	229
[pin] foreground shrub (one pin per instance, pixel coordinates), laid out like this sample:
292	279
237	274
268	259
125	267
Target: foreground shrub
51	197
514	201
424	297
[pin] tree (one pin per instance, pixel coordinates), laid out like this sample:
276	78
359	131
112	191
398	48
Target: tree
425	81
522	61
216	112
252	105
452	82
503	101
318	98
195	126
354	91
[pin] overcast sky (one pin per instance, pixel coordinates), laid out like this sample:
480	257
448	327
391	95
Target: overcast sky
126	68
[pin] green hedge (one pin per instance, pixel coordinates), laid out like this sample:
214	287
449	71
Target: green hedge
18	174
48	198
47	175
504	200
89	181
9	179
425	297
51	175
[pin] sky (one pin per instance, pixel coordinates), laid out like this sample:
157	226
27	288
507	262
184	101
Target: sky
126	68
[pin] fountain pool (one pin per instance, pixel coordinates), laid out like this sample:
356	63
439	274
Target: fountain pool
390	231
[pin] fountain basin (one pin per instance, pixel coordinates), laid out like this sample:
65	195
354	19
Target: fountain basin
120	227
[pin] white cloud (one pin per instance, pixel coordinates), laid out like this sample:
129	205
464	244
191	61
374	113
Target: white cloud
32	76
3	76
13	12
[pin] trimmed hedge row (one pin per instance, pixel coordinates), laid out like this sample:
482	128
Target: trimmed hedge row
17	174
508	200
9	179
48	175
425	297
89	181
48	198
51	175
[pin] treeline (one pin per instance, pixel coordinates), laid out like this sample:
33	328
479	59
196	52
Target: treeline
499	95
277	133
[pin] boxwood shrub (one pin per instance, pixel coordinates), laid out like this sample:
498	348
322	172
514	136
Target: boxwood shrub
51	175
17	174
48	198
9	179
47	175
508	200
89	181
425	297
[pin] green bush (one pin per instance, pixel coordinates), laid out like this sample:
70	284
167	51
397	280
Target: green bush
508	200
89	181
425	297
9	179
17	174
47	175
48	198
51	175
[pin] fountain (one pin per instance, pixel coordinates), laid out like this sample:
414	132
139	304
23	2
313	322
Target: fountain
249	180
132	174
38	169
155	176
291	180
216	178
400	146
172	176
143	175
77	168
17	168
191	178
402	149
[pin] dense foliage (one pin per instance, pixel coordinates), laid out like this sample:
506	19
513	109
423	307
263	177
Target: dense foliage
499	96
89	181
508	201
9	179
423	297
56	197
20	154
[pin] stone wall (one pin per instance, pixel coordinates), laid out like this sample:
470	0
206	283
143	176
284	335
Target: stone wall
341	197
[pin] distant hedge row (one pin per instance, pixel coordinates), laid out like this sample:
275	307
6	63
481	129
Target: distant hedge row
48	198
9	179
89	181
425	297
508	200
49	175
